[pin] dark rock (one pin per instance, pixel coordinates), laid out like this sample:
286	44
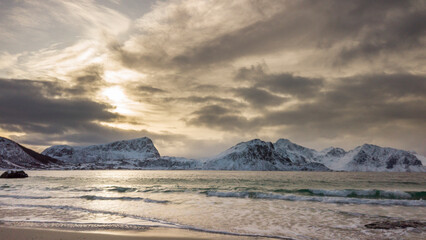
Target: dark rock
14	174
396	224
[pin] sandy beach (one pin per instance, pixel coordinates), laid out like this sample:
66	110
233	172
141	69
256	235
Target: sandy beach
8	232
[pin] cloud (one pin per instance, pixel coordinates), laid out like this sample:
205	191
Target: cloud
398	31
283	83
207	100
34	106
150	89
220	118
171	29
178	36
357	104
259	98
189	71
351	107
48	22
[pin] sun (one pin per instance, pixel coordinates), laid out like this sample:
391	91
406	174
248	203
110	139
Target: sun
116	97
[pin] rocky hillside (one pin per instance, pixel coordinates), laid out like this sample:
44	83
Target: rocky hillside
15	156
137	153
260	156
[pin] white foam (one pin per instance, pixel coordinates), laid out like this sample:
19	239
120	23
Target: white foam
339	200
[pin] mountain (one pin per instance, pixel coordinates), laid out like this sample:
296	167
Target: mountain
15	156
286	155
283	155
296	153
370	157
135	149
261	156
137	153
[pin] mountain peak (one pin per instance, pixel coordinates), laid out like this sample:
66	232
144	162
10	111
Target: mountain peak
283	141
13	155
369	146
137	144
123	151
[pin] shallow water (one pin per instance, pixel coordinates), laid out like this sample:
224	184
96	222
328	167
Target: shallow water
297	205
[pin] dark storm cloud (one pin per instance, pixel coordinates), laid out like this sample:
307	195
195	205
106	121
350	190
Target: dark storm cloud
218	117
359	103
150	89
207	100
86	81
206	88
259	98
283	83
33	106
254	73
394	34
293	85
93	133
350	105
360	29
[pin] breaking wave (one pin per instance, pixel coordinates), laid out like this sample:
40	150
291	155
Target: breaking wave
148	200
88	197
354	193
320	198
121	189
24	197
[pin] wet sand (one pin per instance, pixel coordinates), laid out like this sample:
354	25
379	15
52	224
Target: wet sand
7	232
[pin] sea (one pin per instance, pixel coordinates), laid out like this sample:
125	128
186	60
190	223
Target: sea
246	205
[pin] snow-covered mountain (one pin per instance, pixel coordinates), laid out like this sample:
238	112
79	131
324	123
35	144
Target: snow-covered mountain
286	155
371	158
137	153
15	156
135	149
256	154
261	156
296	153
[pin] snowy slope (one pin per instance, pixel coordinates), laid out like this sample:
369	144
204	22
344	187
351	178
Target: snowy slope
13	155
257	155
286	155
374	158
296	153
137	153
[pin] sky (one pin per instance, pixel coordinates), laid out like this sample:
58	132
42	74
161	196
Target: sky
200	76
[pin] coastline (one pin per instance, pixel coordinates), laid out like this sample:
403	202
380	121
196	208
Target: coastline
157	233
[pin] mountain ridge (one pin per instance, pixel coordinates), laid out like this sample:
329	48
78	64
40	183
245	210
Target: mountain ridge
255	154
13	155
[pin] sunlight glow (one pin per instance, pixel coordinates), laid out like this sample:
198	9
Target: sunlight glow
122	75
118	99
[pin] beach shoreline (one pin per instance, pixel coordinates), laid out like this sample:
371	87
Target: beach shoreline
157	233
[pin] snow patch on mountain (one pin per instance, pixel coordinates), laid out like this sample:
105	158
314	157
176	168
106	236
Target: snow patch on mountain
256	154
137	153
126	150
15	156
261	156
370	157
296	153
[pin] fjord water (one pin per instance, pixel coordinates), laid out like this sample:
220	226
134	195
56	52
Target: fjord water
296	205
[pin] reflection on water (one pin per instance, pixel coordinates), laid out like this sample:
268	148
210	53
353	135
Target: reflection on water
299	205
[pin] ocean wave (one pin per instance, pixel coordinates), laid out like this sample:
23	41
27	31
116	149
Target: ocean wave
161	223
121	189
148	200
4	186
355	193
324	199
91	189
58	188
24	197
